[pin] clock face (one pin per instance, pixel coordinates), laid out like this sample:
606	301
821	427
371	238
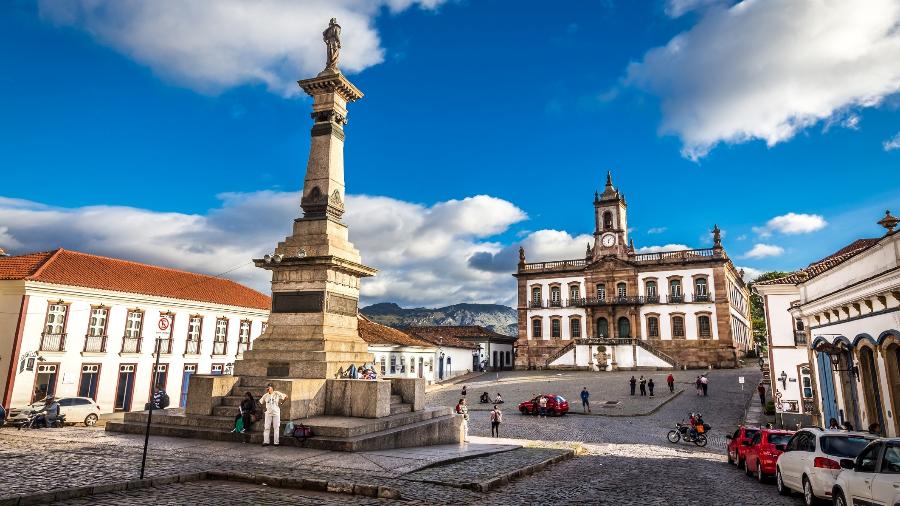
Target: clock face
609	240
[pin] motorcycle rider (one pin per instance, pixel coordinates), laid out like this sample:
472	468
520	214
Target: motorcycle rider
49	414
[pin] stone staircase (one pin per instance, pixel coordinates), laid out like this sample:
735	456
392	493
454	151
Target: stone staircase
402	428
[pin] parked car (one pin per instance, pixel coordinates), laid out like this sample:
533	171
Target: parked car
556	405
77	410
736	446
873	477
811	461
763	450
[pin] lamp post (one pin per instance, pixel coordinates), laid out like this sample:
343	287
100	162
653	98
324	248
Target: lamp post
150	411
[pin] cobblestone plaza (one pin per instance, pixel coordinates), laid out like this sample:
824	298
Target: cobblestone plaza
619	459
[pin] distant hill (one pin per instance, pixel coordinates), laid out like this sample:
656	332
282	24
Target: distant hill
500	319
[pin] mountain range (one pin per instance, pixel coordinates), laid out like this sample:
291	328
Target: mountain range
500	319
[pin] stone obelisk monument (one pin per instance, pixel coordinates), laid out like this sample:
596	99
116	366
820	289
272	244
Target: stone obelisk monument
312	330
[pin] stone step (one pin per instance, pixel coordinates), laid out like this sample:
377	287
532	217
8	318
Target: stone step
400	408
396	399
333	426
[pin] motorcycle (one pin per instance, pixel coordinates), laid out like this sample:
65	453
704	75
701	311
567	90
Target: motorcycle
683	431
36	420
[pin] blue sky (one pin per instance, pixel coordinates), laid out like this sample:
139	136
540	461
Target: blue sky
183	143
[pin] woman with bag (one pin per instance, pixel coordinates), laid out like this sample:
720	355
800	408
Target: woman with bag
244	419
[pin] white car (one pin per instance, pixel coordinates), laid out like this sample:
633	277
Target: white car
872	478
811	461
77	410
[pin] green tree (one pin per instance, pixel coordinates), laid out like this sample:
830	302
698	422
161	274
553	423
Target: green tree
757	309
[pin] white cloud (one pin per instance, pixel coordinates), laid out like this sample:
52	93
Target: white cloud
422	252
657	249
779	67
677	8
750	273
792	223
656	230
761	250
892	143
212	46
540	246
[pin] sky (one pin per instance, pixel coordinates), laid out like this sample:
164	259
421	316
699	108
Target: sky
173	132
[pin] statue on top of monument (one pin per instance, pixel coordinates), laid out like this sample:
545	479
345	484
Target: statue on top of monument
332	38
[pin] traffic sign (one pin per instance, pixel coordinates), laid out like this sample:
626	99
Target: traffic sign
164	323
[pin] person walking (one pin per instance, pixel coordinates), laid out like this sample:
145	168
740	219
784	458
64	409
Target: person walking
632	382
585	402
463	410
542	406
761	389
650	386
496	420
643	385
670	380
245	411
699	386
272	400
704	384
463	393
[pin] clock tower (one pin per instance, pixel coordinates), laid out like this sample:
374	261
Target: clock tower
610	215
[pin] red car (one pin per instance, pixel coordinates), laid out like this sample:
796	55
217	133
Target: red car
556	405
736	447
763	451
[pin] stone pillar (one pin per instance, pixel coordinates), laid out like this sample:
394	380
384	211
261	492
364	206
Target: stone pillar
312	330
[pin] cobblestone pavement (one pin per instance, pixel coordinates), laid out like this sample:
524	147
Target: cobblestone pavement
625	460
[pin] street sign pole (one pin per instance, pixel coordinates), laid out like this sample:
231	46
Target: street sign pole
164	323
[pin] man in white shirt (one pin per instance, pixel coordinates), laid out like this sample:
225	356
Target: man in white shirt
272	400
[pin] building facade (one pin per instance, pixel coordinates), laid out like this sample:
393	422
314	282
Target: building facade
489	350
850	306
690	307
73	324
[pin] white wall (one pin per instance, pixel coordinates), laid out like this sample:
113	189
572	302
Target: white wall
403	354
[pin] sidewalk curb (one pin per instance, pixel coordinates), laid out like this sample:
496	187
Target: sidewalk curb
499	481
652	411
462	458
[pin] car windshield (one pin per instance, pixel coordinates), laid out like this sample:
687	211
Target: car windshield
559	398
844	446
749	433
779	439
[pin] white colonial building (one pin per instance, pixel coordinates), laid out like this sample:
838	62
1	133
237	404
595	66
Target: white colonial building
849	303
685	308
74	324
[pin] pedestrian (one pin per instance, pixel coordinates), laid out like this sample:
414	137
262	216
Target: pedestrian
632	382
704	384
464	392
542	406
699	386
833	424
272	400
650	386
499	399
496	420
159	399
462	409
761	389
670	380
643	386
245	413
585	403
848	426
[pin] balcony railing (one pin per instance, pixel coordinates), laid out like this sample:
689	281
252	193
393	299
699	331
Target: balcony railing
131	345
219	348
675	299
702	298
620	301
679	256
800	338
192	347
165	346
53	342
554	266
242	347
651	299
95	344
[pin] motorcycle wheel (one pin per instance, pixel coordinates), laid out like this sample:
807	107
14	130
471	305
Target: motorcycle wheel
673	436
700	440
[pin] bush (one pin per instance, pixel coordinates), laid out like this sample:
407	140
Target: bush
770	408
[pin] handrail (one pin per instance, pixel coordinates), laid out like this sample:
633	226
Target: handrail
556	264
560	352
612	341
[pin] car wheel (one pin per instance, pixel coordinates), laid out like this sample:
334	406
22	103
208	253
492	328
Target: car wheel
747	467
760	477
90	420
809	499
673	436
779	484
524	411
839	499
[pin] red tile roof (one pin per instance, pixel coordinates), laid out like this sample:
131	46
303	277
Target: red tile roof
831	261
376	333
64	267
444	336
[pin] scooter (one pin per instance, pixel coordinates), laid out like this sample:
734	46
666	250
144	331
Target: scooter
37	420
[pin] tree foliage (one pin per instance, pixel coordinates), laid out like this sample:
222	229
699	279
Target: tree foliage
757	309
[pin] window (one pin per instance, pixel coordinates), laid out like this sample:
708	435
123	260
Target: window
806	381
652	326
675	289
844	446
890	462
574	293
536	296
217	369
799	324
555	331
866	461
56	319
393	364
555	296
575	328
678	327
195	324
756	439
383	365
704	330
97	323
621	290
87	386
651	289
244	336
536	327
220	342
607	220
160	376
602	327
133	323
624	328
263	328
601	291
700	288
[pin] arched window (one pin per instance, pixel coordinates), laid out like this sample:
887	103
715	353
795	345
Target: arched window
536	296
677	327
652	326
575	328
602	327
555	328
624	328
703	327
806	380
700	290
607	220
650	289
536	328
601	291
621	290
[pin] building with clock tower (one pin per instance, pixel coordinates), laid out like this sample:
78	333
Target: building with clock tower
618	309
